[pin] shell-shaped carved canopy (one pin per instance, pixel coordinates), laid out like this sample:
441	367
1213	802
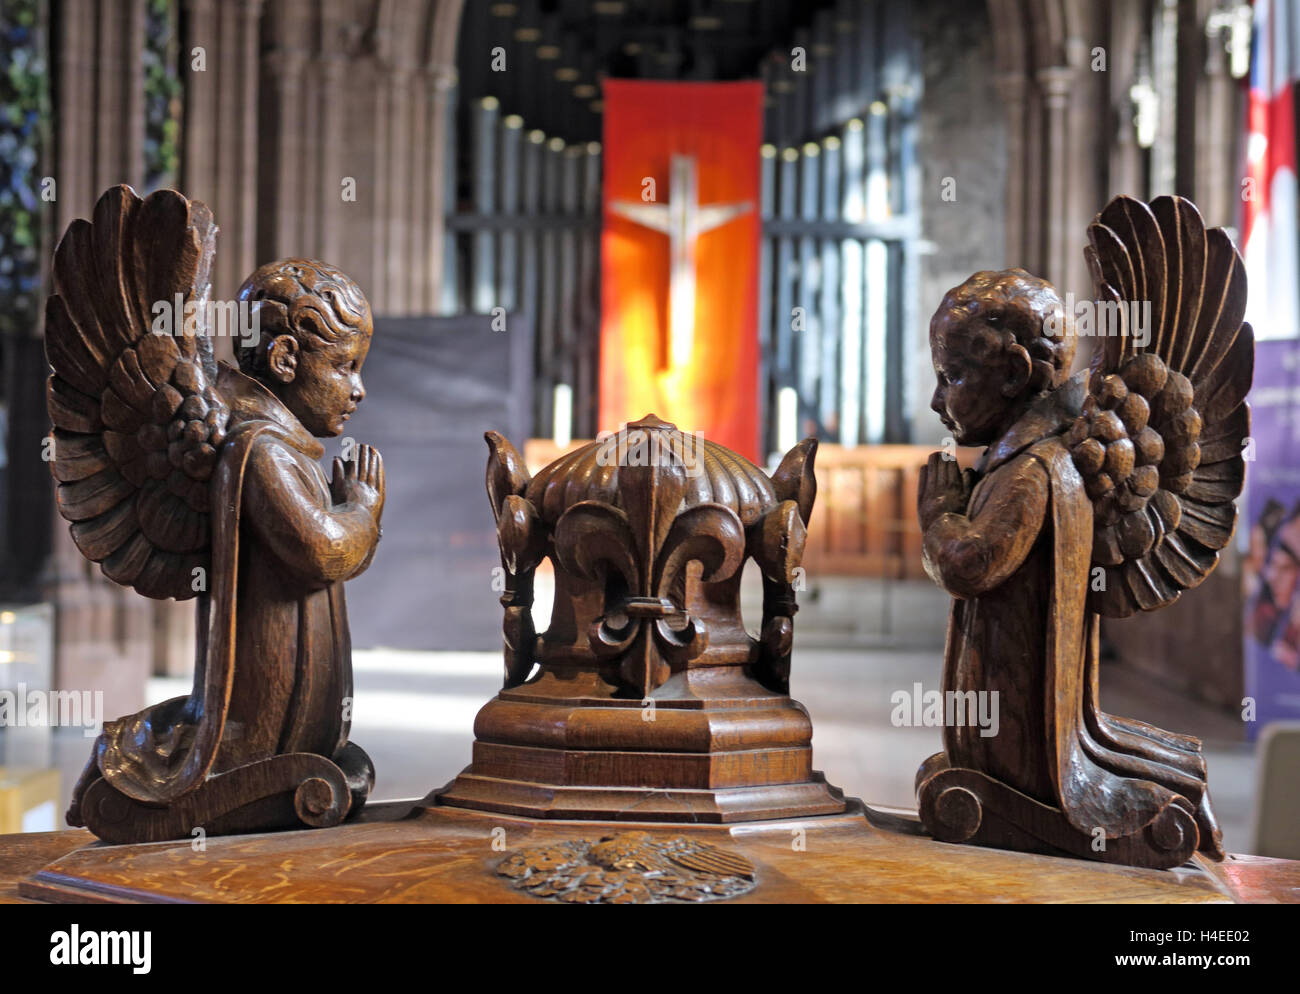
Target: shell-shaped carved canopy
714	474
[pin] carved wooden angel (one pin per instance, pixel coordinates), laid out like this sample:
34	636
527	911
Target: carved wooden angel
184	477
1102	494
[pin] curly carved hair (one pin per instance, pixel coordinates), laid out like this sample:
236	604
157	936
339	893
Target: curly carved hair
1011	307
312	301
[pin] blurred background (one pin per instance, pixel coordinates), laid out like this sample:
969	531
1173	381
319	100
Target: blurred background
451	157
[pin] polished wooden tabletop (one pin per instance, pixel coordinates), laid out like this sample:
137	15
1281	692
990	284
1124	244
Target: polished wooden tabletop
406	854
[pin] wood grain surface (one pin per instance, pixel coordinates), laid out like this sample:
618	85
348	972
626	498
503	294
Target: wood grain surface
451	855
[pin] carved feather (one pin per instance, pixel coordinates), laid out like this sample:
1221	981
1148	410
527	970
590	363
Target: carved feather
138	499
1223	439
78	456
93	496
112	227
126	562
1193	374
76	284
701	857
100	537
1209	524
68	353
71	409
1134	224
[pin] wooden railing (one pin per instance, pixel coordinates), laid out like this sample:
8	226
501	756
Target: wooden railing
864	522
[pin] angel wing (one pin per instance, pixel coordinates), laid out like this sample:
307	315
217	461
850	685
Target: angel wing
702	857
1160	441
137	418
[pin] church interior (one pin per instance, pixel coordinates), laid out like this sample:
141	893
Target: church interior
724	227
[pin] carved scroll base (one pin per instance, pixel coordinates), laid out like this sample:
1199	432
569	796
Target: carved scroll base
295	790
962	805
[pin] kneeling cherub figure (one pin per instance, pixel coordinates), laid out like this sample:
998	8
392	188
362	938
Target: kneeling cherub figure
211	487
1102	493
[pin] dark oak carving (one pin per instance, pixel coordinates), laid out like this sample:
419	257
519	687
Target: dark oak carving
188	478
630	868
1102	494
650	701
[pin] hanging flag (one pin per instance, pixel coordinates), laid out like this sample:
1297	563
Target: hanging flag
1269	228
679	257
1271	565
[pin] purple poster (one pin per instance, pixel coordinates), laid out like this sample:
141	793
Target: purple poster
1271	571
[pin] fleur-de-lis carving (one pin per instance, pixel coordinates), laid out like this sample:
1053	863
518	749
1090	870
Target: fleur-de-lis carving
644	548
522	539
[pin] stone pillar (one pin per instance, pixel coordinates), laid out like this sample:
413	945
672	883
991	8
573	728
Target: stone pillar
1055	133
219	158
283	151
74	60
441	119
1218	114
201	132
119	94
420	168
1055	83
1125	161
440	63
331	74
370	105
1012	86
244	91
400	188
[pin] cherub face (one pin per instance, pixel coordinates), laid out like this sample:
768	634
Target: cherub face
975	387
321	384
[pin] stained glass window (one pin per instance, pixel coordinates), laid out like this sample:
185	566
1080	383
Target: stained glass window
24	122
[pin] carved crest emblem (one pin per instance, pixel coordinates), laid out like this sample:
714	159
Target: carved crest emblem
630	868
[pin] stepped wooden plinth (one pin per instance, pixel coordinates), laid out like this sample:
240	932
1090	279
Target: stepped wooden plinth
646	699
716	748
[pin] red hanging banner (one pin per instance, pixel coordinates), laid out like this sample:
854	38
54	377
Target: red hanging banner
679	257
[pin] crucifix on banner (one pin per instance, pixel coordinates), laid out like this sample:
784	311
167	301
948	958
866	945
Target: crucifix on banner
683	219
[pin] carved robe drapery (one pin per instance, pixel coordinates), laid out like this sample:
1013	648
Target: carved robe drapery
274	667
1019	626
